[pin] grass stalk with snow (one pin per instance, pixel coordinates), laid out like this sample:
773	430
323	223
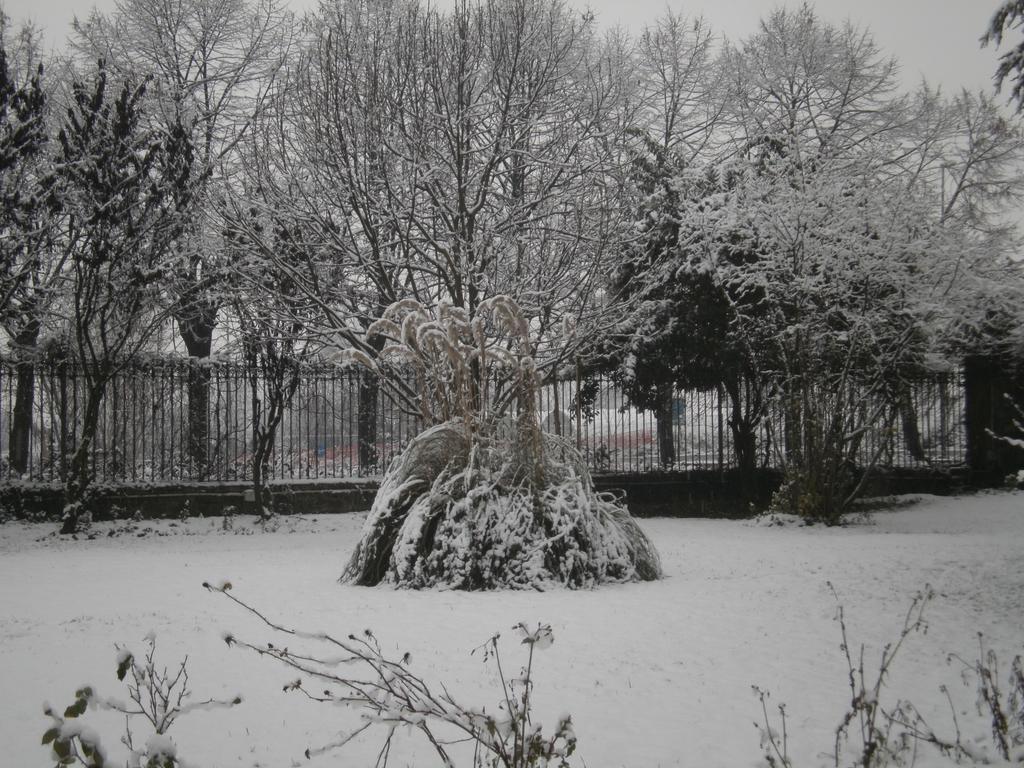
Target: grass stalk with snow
483	498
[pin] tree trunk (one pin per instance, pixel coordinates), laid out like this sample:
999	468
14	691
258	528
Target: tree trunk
80	474
198	388
909	423
21	419
744	440
196	330
793	421
366	415
369	395
281	380
20	436
663	418
260	472
989	387
262	442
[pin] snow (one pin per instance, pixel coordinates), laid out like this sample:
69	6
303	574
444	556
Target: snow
653	673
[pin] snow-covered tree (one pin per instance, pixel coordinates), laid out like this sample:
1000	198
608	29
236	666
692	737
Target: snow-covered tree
675	71
343	102
467	154
820	262
1009	16
446	156
211	65
30	266
834	296
678	331
673	125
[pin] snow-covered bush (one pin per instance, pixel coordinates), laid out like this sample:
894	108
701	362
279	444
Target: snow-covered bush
389	695
484	498
157	695
1015	479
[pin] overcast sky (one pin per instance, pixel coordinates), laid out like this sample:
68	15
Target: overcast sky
937	39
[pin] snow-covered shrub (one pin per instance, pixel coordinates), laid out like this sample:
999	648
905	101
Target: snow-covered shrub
389	696
828	419
459	512
484	498
1015	479
157	695
186	510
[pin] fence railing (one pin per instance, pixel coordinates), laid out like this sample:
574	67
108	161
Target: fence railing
339	425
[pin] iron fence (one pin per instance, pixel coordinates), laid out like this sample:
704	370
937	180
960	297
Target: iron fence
616	436
338	425
146	430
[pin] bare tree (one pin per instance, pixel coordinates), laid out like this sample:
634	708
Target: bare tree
805	90
510	148
682	105
275	318
449	157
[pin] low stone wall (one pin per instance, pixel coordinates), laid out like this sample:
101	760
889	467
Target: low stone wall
702	493
206	499
711	493
706	493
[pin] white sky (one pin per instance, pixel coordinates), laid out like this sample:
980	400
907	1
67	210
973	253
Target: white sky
937	39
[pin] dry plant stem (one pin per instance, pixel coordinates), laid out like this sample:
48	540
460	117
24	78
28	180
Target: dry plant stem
393	696
1002	717
865	707
778	754
893	736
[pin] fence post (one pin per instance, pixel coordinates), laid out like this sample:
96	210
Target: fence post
721	432
989	385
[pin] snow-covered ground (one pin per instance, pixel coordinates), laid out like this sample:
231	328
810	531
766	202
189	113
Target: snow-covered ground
654	674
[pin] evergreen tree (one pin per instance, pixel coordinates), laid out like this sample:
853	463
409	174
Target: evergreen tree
28	265
124	188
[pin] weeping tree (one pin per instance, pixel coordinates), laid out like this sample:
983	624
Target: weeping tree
483	498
